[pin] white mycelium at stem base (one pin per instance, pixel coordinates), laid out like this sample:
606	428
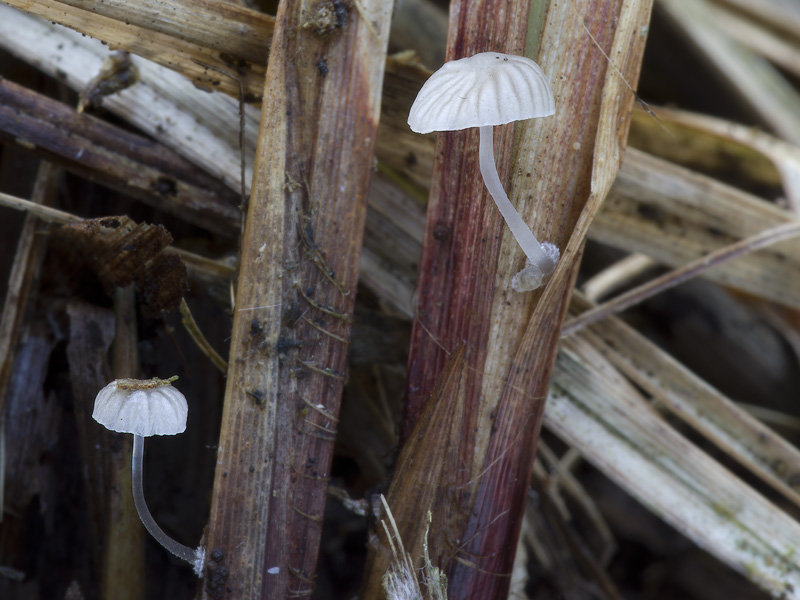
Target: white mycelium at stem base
145	408
485	90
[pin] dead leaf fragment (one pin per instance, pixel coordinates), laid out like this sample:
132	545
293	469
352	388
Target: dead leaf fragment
122	252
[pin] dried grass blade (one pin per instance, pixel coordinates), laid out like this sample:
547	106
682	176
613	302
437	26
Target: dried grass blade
127	162
713	142
756	81
783	15
202	127
675	216
777	47
150	30
680	275
691	399
592	408
228	28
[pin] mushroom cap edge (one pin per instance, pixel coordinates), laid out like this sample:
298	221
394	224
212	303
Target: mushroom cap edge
489	88
160	410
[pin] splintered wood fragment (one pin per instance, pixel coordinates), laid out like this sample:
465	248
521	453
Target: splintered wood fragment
22	281
429	475
207	271
23	277
557	174
297	284
117	158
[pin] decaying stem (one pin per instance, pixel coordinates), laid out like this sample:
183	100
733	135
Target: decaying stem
559	170
296	288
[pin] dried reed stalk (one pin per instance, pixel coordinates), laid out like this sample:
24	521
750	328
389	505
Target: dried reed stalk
123	560
295	294
570	161
748	441
596	410
677	216
117	158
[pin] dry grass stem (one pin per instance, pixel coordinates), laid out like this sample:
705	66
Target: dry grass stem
676	216
512	337
215	41
294	301
202	127
753	79
678	276
609	423
617	275
197	335
691	399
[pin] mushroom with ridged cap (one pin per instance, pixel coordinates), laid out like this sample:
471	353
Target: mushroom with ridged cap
144	408
485	90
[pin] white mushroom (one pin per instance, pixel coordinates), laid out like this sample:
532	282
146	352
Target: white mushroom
485	90
144	408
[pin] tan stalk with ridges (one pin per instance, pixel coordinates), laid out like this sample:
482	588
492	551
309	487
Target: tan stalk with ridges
295	293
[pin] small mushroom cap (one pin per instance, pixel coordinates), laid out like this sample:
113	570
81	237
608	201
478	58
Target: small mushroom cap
486	89
142	407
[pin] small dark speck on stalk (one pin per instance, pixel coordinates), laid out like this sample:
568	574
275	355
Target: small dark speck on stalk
322	66
442	232
340	10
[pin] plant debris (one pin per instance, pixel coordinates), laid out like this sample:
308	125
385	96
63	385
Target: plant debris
122	252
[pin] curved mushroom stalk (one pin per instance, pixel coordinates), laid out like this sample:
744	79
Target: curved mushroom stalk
195	557
542	258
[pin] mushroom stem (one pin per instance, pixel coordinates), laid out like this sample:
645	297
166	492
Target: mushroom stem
190	555
522	233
